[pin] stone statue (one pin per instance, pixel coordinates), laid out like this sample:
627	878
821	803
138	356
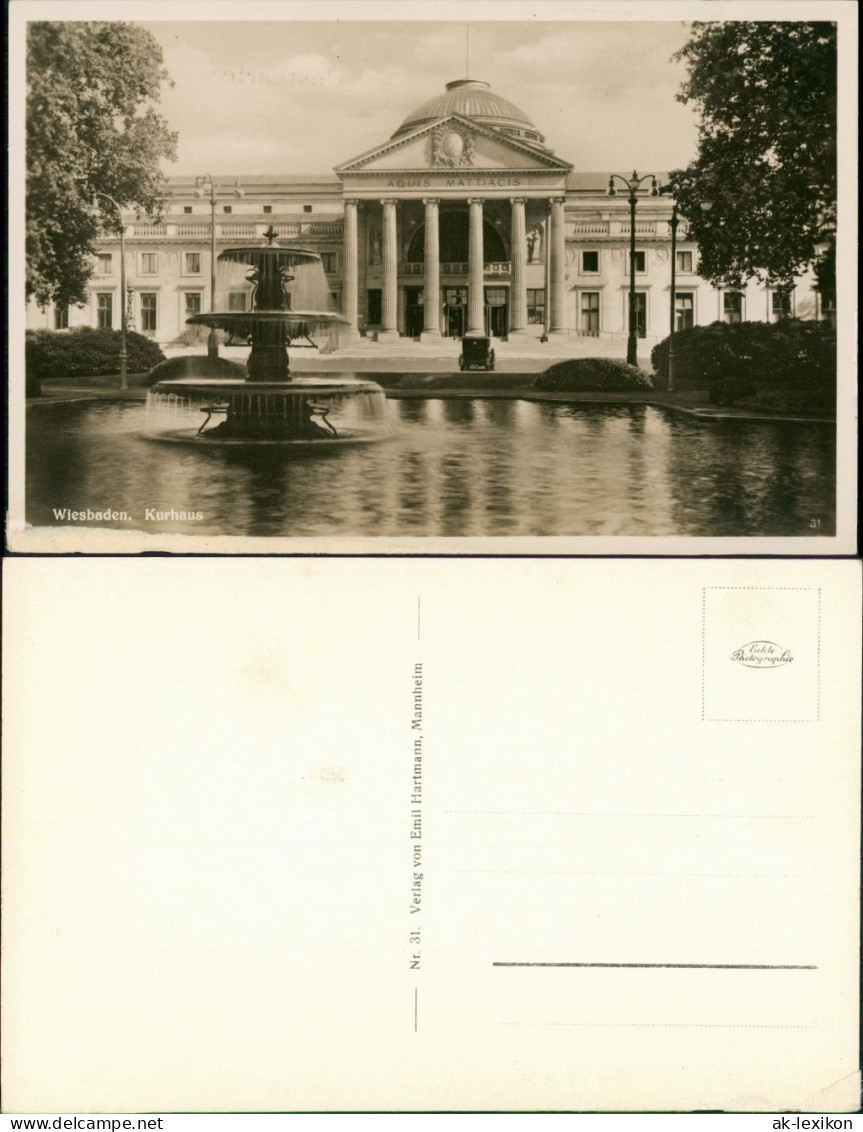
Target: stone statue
534	245
375	245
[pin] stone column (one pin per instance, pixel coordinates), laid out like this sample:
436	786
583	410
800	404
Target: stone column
518	291
475	272
557	268
350	292
389	297
431	281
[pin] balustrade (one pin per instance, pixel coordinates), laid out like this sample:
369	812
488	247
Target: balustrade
455	268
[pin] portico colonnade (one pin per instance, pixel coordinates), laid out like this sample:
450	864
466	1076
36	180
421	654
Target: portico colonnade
475	274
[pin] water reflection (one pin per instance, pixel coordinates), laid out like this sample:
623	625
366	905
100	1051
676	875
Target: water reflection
450	467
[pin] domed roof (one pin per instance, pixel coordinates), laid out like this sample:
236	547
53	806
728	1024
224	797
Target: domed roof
472	98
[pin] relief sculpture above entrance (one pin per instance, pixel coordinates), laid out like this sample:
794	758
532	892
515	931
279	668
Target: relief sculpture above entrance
452	147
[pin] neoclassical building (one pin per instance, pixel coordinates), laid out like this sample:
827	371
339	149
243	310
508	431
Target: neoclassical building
462	222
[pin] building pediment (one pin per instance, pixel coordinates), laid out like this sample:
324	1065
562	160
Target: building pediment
456	146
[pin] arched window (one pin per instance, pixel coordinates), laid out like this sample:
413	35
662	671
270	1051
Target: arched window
454	229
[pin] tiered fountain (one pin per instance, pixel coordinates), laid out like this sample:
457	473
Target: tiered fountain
265	403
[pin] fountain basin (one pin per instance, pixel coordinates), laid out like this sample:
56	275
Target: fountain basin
323	409
297	324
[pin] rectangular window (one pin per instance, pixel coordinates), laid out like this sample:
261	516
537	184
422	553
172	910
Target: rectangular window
187	208
826	307
307	208
104	263
148	312
684	262
149	263
536	305
227	208
236	300
61	318
328	259
105	310
268	208
640	263
192	263
590	312
684	310
192	303
589	262
780	305
732	306
373	306
640	313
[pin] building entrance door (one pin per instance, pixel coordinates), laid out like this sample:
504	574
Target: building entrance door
455	308
413	311
496	312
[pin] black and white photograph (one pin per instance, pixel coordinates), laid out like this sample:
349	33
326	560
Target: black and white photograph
555	282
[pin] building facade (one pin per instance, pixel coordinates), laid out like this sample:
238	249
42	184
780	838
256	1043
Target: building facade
462	222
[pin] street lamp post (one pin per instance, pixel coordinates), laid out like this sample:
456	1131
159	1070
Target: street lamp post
123	322
632	185
206	187
672	327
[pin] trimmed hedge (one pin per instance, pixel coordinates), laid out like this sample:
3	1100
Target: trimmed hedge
592	375
86	352
748	358
196	365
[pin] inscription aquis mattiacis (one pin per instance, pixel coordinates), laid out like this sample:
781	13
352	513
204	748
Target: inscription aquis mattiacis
450	182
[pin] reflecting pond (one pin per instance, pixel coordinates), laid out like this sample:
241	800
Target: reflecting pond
450	467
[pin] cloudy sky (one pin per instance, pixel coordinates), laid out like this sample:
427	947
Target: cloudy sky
292	97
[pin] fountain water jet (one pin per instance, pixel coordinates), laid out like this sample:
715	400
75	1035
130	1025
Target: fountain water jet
268	404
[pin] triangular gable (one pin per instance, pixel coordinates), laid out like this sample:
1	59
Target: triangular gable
419	150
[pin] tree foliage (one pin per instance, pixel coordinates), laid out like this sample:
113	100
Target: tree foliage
92	127
766	97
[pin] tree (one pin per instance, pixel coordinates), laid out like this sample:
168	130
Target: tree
766	97
91	127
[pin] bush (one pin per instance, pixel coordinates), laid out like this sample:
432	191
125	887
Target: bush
85	352
196	365
754	360
592	375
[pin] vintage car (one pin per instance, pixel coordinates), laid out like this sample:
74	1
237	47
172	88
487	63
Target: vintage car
476	353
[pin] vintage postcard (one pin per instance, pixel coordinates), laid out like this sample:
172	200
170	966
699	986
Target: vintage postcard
291	835
386	277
